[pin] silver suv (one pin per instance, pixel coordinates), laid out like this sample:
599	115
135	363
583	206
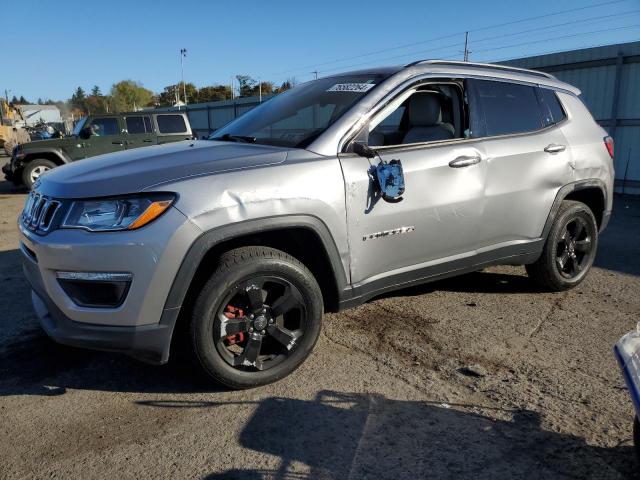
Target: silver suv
319	199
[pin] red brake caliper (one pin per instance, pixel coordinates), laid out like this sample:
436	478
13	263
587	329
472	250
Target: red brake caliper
233	312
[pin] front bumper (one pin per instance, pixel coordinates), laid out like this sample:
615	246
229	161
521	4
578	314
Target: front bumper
149	343
142	325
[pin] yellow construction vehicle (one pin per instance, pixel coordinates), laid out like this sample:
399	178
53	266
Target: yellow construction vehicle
10	134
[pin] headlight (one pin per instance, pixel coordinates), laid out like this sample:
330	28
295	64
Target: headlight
123	213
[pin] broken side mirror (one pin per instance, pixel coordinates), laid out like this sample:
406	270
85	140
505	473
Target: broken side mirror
363	150
390	178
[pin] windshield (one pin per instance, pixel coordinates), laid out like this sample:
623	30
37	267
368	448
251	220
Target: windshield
79	125
296	117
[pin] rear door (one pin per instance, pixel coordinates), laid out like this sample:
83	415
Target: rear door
528	159
106	137
139	131
172	127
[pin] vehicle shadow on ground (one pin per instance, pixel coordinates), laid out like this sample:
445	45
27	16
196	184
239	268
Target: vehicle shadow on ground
339	436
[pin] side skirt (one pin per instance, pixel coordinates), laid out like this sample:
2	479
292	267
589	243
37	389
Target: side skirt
520	254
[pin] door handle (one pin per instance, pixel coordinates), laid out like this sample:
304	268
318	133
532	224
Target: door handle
147	140
116	143
464	161
553	148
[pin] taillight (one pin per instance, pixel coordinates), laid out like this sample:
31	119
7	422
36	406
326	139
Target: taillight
608	142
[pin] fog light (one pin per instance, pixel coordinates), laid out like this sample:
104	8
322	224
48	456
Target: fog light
95	289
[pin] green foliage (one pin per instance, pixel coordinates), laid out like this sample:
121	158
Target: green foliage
95	91
214	93
246	85
128	95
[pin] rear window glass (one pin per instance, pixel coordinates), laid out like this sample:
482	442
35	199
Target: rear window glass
556	113
506	108
171	124
138	125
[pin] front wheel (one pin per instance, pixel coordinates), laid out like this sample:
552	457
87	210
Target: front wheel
257	318
570	248
34	169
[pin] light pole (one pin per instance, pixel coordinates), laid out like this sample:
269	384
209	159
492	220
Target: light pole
183	54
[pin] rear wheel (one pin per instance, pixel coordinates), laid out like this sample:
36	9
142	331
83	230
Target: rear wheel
570	248
34	169
257	318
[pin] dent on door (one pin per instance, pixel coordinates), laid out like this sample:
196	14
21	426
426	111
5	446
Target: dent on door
438	217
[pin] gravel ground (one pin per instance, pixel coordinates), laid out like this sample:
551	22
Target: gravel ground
480	376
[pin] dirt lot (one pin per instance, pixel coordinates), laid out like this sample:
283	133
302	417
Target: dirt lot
480	376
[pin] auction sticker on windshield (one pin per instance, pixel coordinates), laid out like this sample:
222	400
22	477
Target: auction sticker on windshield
351	87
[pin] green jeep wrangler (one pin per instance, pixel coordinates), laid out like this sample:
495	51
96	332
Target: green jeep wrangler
96	135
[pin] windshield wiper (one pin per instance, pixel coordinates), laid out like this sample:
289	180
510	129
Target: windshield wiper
236	138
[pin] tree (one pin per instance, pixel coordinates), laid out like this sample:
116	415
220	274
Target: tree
286	85
78	99
175	93
14	101
214	93
95	91
23	101
129	95
246	85
40	101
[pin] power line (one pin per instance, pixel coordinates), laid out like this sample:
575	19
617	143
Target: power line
557	38
478	51
586	7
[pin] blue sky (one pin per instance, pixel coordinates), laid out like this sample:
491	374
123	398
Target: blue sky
53	47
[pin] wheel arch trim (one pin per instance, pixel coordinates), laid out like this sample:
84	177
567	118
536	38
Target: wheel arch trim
209	239
565	191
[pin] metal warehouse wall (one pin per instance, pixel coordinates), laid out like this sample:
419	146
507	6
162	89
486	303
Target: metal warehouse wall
609	78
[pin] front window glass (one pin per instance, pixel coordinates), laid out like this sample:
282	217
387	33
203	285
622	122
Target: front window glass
296	117
102	127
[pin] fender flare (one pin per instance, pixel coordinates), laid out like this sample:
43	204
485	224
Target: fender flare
33	153
205	242
568	189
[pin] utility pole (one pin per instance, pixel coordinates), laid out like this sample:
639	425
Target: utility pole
260	89
231	88
466	50
183	54
315	72
6	95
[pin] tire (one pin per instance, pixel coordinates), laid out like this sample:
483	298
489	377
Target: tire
32	171
569	250
260	300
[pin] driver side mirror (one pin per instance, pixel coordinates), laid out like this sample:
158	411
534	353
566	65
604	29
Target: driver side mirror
363	150
85	133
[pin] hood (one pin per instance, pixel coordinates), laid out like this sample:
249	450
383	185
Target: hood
49	143
135	170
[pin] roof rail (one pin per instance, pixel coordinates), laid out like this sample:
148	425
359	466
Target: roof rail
490	66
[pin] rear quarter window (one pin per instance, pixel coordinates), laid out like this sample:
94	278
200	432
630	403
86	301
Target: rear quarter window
506	108
555	112
171	124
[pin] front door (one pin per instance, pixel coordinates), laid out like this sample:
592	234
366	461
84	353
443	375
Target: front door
435	222
106	137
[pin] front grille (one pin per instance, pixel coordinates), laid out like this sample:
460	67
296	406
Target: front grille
39	212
